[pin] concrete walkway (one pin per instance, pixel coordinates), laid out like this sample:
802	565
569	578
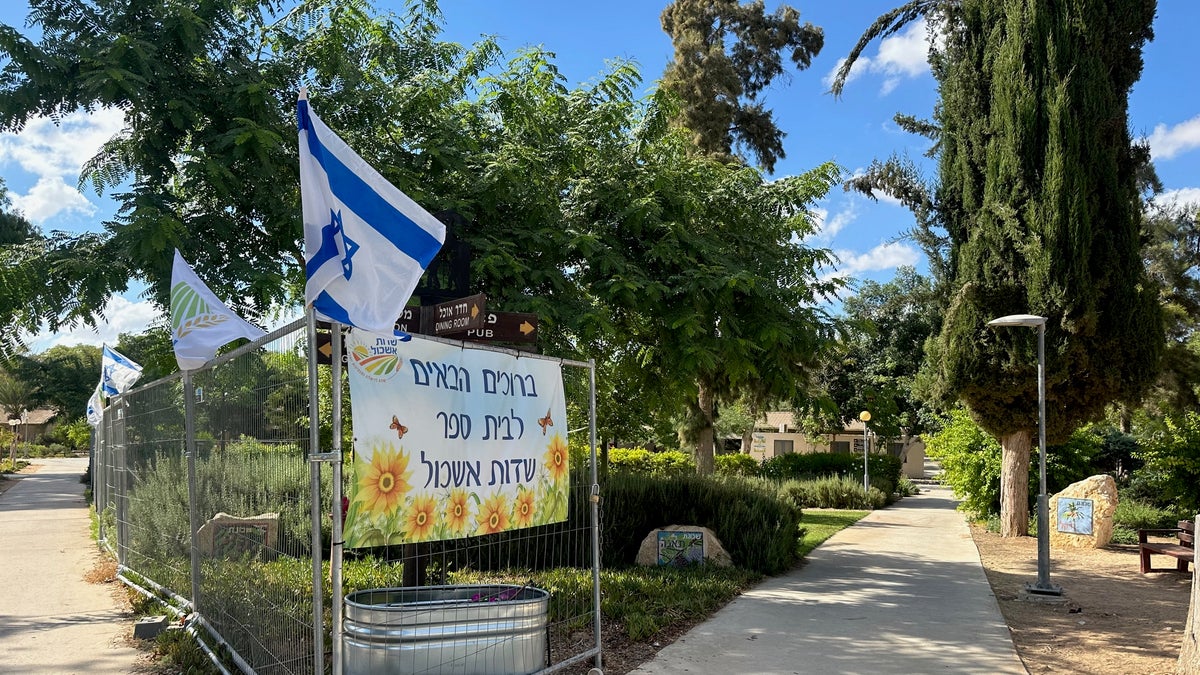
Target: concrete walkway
902	591
51	620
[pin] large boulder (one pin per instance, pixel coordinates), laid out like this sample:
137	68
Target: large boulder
1081	516
682	545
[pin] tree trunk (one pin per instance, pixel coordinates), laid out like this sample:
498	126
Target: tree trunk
1189	653
1014	484
704	435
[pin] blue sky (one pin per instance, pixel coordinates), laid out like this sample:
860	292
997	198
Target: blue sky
41	164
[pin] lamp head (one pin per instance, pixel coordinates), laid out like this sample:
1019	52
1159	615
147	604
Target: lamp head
865	416
1027	320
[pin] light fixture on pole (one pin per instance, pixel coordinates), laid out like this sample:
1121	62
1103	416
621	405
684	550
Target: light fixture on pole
1043	585
12	453
865	416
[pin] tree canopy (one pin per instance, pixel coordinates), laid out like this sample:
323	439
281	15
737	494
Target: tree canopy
1037	197
580	204
726	54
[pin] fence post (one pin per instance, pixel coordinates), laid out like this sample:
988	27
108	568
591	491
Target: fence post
189	434
595	498
314	448
335	553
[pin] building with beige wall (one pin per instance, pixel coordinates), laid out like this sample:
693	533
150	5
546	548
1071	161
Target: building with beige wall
776	434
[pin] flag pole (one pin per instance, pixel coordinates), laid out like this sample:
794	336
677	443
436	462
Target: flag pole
314	464
335	553
189	434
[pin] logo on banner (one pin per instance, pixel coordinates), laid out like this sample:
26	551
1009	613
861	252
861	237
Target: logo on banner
378	362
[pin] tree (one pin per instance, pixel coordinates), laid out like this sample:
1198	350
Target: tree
1037	194
882	353
66	376
15	398
701	267
726	54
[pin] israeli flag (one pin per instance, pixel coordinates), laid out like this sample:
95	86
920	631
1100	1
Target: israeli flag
95	408
117	372
366	244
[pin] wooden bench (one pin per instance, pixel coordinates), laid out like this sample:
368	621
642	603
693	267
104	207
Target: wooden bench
1184	551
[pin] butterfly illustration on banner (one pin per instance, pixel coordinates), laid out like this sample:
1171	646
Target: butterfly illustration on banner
545	422
400	428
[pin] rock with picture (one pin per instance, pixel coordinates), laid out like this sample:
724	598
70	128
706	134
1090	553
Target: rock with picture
1081	516
681	546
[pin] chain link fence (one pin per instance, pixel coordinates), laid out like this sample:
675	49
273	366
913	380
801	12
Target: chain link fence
226	531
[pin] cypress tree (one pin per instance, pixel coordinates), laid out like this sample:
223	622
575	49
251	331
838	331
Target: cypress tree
1038	196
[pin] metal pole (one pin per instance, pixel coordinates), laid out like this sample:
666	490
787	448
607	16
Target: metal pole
189	434
335	553
1043	582
866	472
314	448
595	498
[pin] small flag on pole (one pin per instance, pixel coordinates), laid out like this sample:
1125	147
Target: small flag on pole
117	372
95	408
366	244
200	323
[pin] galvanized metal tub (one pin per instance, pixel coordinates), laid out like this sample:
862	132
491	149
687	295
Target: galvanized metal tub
450	630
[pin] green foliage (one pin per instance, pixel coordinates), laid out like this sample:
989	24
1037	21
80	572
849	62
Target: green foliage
726	53
882	470
643	461
907	488
970	460
833	493
76	433
1172	457
881	354
737	465
65	376
756	524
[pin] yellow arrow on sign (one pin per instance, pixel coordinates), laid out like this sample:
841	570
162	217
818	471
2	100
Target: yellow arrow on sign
326	349
474	311
525	328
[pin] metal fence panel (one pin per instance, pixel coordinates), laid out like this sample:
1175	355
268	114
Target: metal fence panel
250	499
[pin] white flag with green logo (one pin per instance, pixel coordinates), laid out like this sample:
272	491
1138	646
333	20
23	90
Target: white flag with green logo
200	323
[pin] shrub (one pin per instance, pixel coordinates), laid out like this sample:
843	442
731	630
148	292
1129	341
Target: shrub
883	470
1173	454
833	493
736	465
641	460
755	523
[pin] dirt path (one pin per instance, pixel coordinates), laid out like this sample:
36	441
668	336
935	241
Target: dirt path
1115	620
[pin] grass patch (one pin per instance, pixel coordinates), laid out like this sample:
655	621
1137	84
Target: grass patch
12	467
821	525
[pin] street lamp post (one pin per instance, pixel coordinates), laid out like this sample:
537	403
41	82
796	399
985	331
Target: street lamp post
1043	585
12	453
865	416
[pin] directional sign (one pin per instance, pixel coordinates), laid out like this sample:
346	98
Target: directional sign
325	348
459	315
505	327
410	320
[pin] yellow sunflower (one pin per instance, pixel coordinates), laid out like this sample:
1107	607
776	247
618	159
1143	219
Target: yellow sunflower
556	457
458	511
421	517
383	482
523	508
493	515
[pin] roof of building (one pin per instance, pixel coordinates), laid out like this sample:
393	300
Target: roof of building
39	416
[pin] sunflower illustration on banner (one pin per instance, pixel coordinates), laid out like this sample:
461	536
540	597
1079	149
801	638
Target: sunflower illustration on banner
452	442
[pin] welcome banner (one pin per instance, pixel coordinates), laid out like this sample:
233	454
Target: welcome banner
452	442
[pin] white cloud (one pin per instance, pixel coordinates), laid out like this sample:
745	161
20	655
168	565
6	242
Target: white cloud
1166	142
1189	197
55	152
900	56
121	316
49	197
882	257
